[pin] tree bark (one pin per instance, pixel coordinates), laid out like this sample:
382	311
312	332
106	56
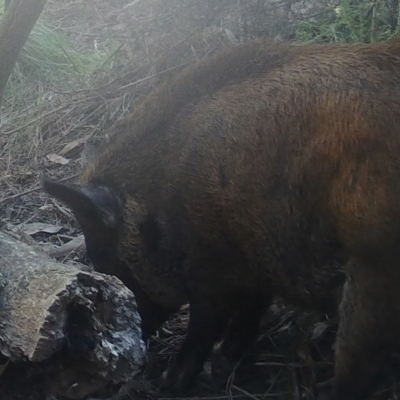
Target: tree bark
71	330
19	18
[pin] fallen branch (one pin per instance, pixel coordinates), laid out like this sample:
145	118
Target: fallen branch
74	331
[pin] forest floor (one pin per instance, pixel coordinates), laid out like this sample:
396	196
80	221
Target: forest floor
295	350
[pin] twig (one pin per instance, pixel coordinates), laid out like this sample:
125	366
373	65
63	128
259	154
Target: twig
165	343
153	76
296	393
34	120
91	98
240	390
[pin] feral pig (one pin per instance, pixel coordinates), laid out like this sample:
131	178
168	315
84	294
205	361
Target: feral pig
254	173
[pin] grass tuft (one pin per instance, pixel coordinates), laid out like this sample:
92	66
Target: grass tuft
49	64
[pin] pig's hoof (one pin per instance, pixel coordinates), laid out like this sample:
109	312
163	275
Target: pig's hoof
221	369
177	381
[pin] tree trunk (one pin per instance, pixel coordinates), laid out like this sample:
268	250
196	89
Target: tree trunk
63	330
19	18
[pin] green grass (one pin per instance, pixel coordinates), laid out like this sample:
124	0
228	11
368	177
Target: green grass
351	21
49	62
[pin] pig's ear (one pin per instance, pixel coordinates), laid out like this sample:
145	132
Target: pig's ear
94	202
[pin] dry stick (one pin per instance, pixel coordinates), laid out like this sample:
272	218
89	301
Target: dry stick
165	343
91	98
295	385
34	120
104	86
76	124
14	196
244	392
229	385
273	383
153	76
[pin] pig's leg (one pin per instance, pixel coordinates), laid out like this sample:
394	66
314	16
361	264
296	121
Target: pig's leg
209	316
241	335
369	329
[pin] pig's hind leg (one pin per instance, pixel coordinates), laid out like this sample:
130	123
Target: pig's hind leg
369	329
241	335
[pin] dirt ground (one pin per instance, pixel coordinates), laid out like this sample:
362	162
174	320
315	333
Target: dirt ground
295	352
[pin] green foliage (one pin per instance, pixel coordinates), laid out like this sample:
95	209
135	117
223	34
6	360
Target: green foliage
352	21
49	62
49	57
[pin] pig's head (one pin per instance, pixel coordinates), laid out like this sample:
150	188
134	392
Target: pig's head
107	216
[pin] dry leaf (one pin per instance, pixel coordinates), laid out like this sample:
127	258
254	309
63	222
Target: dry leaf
55	158
230	35
68	147
36	227
319	329
47	207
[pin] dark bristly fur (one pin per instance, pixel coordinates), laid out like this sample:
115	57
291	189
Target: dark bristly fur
255	173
